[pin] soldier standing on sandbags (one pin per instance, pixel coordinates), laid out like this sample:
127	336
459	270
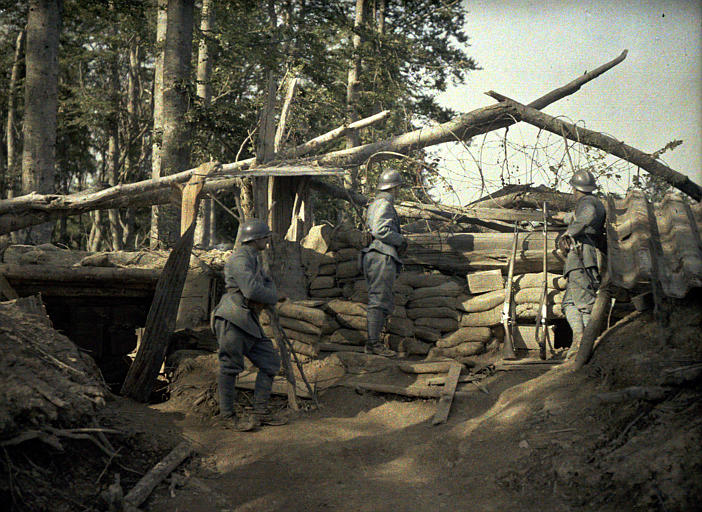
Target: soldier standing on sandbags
239	333
581	242
381	259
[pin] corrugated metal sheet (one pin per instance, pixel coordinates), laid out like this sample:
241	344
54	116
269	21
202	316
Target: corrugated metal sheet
655	243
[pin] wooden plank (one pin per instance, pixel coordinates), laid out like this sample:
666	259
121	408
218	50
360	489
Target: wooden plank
446	398
432	367
525	337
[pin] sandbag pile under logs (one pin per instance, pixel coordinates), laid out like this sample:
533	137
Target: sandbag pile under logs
435	315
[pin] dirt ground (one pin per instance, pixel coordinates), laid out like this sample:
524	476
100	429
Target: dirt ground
540	439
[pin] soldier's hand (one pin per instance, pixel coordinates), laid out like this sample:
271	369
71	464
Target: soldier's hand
403	247
565	244
558	217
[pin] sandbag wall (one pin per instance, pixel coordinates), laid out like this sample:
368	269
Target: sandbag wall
435	314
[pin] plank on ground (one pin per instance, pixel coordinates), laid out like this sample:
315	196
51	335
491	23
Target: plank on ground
446	398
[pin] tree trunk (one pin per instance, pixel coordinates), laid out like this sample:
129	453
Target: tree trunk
11	128
175	147
204	92
605	143
157	134
113	153
40	104
352	88
131	159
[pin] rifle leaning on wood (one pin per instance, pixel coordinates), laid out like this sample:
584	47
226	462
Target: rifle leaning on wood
508	313
542	334
285	348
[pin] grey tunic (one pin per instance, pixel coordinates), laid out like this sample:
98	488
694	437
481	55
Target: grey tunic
245	280
380	259
585	225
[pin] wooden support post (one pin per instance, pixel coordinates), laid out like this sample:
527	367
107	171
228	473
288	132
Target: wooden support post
446	399
161	319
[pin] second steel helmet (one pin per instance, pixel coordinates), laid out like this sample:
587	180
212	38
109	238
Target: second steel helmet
389	179
583	181
253	229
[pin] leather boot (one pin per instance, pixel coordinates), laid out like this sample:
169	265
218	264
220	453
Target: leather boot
575	346
376	321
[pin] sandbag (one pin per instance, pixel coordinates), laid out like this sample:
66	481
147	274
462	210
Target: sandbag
348	337
432	313
304	349
312	315
554	281
529	311
426	333
347	269
326	293
302	337
442	324
362	297
482	318
321	282
410	346
469	348
422	280
347	254
433	302
526	295
448	289
400	326
482	302
328	269
346	307
465	334
299	325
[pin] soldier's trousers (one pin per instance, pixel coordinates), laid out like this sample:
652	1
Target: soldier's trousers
234	344
579	298
380	271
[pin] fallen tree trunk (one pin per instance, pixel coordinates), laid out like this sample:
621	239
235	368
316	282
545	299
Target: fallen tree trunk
605	143
35	209
526	196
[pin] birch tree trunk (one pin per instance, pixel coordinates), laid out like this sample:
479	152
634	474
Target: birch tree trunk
157	134
352	138
204	92
40	103
175	146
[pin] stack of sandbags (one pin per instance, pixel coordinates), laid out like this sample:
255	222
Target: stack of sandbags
431	304
485	309
304	323
353	319
463	342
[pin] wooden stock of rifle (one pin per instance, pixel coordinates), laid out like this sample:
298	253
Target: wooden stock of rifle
508	312
542	335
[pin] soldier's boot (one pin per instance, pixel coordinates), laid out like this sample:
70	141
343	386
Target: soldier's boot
376	320
262	393
574	346
227	399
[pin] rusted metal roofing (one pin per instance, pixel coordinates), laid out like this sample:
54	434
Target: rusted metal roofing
658	244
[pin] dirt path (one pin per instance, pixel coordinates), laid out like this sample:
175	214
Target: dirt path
364	453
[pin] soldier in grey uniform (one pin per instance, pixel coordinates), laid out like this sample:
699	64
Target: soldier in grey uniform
582	240
381	259
235	322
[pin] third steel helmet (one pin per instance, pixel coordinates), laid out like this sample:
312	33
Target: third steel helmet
389	179
583	181
253	229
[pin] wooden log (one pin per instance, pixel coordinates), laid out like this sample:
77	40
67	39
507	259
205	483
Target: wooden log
526	196
446	399
606	143
96	276
157	474
428	367
485	281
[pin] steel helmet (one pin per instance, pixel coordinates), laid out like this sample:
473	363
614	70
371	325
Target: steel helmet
583	181
253	229
389	179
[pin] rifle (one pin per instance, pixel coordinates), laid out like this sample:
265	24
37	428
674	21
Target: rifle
508	312
285	348
542	335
